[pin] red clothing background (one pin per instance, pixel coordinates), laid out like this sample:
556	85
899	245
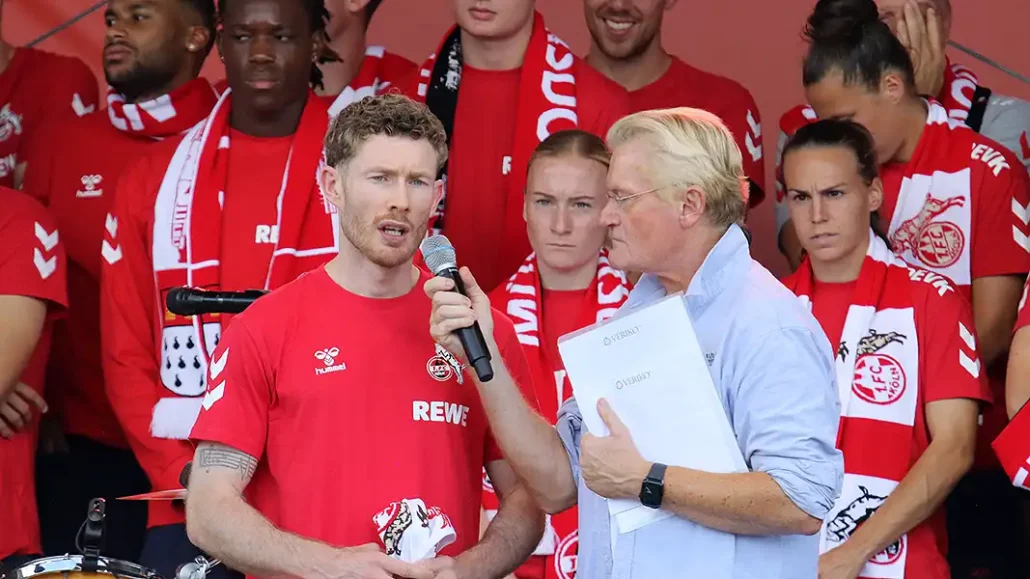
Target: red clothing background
942	377
351	414
683	85
129	307
484	135
564	314
32	264
34	87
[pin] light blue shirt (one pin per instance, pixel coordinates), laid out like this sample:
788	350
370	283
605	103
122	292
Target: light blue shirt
773	368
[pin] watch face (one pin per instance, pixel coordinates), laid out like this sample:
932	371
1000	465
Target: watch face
651	494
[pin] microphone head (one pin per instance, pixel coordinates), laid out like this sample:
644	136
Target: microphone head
438	253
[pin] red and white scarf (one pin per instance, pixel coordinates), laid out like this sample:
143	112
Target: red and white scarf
188	239
878	382
521	300
165	116
957	91
367	82
547	104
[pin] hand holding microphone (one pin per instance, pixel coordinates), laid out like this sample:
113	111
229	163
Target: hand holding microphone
462	319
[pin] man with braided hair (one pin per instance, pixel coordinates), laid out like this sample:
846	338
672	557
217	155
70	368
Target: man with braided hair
232	204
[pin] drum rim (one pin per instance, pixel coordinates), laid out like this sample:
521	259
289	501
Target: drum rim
73	563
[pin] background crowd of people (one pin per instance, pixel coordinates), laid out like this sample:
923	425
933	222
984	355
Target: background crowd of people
166	179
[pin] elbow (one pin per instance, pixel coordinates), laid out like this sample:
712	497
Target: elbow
807	525
557	503
198	525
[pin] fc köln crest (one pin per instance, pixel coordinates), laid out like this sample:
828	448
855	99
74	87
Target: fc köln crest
10	123
938	244
879	378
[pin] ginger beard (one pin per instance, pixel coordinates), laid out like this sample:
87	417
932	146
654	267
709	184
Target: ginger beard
371	236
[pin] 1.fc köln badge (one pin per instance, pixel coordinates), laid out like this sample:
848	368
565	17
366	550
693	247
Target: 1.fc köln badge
183	368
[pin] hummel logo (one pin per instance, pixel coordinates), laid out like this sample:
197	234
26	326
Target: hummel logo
328	357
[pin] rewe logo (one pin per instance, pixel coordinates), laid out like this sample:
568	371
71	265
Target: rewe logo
328	358
266	234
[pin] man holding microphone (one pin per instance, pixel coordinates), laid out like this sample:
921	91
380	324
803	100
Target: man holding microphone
675	189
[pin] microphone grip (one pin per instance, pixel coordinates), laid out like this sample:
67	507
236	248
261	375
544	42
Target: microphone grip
471	338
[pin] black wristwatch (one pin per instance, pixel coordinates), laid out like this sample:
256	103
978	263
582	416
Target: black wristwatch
653	488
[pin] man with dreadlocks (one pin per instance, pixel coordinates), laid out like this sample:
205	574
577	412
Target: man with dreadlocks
232	205
354	70
152	56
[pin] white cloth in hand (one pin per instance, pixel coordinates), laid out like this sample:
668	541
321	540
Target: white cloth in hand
412	532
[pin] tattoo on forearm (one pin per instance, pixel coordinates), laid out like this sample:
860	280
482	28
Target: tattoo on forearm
228	458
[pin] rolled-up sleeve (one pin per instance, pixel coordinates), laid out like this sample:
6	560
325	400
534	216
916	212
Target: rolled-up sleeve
570	431
786	415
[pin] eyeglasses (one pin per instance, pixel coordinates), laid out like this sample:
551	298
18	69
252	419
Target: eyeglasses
621	200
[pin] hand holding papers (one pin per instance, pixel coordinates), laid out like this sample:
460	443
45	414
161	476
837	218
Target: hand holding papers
647	363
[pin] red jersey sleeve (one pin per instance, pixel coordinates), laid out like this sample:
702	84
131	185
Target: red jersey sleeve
951	364
74	88
128	310
240	391
32	258
515	361
39	160
1002	218
740	113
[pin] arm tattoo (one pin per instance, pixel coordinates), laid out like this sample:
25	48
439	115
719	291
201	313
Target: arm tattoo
228	458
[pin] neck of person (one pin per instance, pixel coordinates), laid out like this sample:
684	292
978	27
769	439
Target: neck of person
496	53
843	269
338	75
354	272
685	263
635	72
181	78
577	278
913	121
267	124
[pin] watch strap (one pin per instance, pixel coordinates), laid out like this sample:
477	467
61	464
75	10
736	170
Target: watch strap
657	472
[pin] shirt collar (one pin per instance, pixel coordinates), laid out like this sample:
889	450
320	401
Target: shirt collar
729	256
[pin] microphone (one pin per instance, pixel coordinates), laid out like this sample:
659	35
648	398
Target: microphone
187	301
438	253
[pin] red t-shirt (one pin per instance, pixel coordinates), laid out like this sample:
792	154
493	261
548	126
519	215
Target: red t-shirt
941	377
480	154
254	178
313	374
32	264
34	87
77	184
683	85
131	328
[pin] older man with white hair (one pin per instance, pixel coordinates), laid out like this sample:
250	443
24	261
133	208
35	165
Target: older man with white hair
675	201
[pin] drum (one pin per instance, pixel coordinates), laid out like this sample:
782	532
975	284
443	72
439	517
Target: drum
71	567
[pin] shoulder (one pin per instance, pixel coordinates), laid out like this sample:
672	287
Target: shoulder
396	67
19	207
766	314
1007	121
933	294
64	74
596	87
795	118
268	315
990	160
721	91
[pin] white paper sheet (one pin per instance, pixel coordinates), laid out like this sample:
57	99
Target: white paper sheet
647	363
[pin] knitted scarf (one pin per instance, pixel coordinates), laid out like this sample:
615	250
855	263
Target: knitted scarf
520	299
1013	448
187	243
549	66
957	91
878	380
166	115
